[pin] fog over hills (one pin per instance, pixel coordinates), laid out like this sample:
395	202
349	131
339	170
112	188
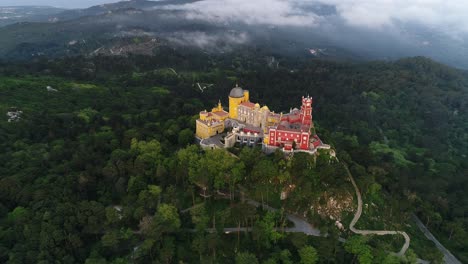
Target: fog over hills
357	29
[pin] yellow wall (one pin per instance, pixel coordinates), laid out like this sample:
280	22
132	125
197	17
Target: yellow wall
206	131
246	96
218	108
203	116
203	130
233	104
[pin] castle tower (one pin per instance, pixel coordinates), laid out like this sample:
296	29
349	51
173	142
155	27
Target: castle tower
236	97
246	96
218	108
306	110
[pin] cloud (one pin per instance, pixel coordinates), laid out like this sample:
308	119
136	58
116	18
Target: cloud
447	15
222	41
251	12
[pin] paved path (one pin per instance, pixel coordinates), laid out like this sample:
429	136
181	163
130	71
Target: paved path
214	141
300	224
448	257
373	232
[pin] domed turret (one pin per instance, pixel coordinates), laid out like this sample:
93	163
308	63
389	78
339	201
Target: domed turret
236	92
236	97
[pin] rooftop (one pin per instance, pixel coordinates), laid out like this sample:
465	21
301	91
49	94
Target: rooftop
220	113
236	92
248	104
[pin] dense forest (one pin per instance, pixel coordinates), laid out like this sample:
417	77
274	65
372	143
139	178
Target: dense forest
102	167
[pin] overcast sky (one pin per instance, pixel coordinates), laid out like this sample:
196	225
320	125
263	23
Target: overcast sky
56	3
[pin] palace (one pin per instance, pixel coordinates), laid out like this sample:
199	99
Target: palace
250	124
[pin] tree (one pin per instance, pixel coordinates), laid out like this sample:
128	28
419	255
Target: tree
146	249
308	255
262	174
188	160
237	173
185	137
246	258
200	218
250	156
165	220
299	240
265	230
110	240
149	198
112	216
455	229
214	169
357	245
285	256
147	156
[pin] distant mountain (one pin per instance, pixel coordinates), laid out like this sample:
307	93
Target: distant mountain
105	28
113	7
15	14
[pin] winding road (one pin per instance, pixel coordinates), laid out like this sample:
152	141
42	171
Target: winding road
300	225
448	257
373	232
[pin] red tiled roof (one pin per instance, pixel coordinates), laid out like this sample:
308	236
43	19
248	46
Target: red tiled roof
248	104
246	130
286	127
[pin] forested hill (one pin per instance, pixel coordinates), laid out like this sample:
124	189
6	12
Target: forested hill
99	170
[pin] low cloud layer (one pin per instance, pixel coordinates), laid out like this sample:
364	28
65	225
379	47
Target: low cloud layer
263	12
222	41
441	14
448	16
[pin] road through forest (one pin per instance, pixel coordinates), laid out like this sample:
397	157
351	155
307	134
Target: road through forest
373	232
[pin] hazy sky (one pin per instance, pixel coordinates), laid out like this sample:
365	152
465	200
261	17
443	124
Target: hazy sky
56	3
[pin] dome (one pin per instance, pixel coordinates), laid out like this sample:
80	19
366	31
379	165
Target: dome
236	92
257	105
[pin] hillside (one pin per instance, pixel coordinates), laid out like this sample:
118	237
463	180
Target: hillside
15	14
107	155
314	30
